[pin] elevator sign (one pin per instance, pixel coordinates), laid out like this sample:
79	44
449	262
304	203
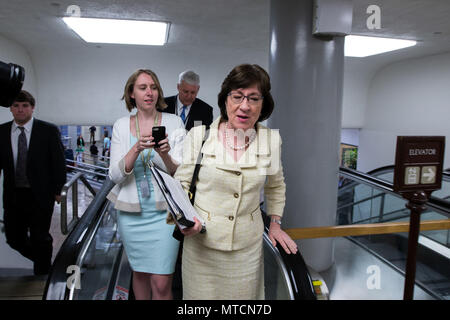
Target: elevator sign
418	163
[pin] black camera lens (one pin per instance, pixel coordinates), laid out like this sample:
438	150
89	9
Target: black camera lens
11	81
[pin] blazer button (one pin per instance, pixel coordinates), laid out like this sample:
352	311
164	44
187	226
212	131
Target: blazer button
236	195
238	173
231	218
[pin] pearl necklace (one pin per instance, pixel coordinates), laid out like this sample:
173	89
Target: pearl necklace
230	143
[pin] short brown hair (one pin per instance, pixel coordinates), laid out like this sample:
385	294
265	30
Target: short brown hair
245	76
129	86
25	96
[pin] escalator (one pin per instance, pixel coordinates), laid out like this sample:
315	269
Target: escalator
92	264
369	198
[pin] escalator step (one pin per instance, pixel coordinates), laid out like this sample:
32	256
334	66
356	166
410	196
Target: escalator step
22	288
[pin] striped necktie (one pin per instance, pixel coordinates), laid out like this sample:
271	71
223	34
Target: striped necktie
183	114
21	164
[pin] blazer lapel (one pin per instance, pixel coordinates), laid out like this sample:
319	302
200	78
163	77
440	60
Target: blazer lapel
214	153
195	112
259	151
33	148
9	154
191	115
171	105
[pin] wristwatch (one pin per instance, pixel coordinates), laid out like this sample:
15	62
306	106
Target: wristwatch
276	220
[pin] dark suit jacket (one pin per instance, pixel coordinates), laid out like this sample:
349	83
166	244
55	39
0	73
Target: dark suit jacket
200	111
46	167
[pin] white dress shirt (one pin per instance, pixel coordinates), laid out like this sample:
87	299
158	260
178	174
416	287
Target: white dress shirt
15	132
180	108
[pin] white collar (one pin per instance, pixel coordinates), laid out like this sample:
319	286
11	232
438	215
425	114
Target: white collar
27	125
180	104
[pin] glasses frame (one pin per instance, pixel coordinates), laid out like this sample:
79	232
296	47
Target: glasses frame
248	98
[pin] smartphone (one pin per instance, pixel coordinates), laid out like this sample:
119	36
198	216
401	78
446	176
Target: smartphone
158	133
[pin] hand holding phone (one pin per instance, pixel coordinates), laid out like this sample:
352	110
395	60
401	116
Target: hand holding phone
158	133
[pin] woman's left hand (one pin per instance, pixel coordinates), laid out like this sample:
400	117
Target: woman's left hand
163	151
164	147
278	235
196	228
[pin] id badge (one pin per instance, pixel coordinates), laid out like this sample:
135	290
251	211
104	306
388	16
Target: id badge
145	191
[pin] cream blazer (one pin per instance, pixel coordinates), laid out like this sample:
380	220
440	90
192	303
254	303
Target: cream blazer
228	192
124	195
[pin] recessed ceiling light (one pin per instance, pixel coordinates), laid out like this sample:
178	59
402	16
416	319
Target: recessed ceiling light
361	46
119	31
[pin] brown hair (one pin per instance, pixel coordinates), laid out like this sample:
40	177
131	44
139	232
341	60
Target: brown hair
129	86
244	76
25	96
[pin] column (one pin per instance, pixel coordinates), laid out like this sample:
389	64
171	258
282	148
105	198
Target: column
307	76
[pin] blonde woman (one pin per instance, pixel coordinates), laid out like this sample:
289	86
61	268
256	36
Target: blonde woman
147	239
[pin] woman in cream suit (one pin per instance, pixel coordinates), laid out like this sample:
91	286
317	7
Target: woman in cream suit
240	157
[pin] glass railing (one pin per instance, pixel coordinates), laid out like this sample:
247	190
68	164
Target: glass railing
359	273
394	208
99	262
387	174
65	270
372	200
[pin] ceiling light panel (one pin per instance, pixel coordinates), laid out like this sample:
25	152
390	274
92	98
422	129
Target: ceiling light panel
119	31
359	46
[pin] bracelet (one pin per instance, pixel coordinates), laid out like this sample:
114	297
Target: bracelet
278	221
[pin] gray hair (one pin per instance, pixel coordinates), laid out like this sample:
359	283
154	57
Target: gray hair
190	77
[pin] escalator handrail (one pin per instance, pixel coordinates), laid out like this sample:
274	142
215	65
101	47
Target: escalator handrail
295	271
390	168
293	267
384	169
56	286
276	253
439	205
366	178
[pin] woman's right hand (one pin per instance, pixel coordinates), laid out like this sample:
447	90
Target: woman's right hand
144	142
196	228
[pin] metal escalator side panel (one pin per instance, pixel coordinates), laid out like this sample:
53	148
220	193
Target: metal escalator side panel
122	284
100	260
277	283
56	286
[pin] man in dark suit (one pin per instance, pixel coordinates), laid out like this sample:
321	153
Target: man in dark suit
192	110
33	164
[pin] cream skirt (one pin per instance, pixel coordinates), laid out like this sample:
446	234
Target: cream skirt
210	274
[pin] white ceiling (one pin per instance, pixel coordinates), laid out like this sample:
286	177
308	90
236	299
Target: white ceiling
426	21
35	24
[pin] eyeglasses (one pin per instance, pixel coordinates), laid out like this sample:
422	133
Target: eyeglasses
238	98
